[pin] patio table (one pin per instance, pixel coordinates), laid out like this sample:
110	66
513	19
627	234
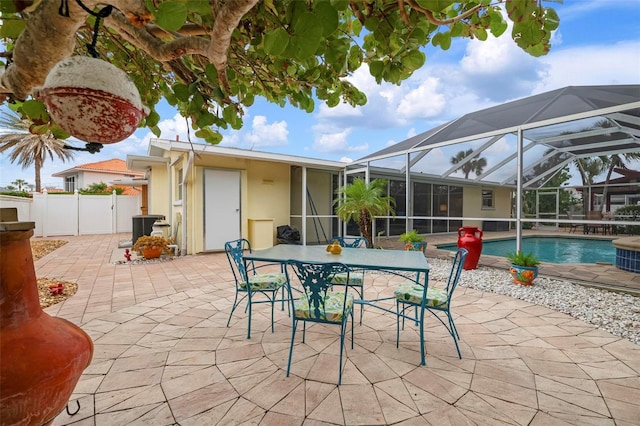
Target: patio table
397	262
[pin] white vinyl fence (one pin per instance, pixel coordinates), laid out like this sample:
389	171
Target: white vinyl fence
76	214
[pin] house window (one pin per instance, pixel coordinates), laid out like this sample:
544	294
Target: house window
70	183
487	199
179	185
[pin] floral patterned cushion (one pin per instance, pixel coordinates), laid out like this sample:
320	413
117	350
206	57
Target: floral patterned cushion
265	281
354	279
333	303
412	293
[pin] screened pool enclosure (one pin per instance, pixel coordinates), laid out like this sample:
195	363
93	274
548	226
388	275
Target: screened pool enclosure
482	168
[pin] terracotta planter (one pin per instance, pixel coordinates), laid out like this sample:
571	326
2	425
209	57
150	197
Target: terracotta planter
42	357
151	252
92	100
523	275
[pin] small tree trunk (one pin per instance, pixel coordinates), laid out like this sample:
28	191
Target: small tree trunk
38	167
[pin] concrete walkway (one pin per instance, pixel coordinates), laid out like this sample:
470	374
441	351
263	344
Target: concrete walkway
164	356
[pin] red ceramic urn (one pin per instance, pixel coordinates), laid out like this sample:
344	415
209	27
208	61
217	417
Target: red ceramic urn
470	238
41	357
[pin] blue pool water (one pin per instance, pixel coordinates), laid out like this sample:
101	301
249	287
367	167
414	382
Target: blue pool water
555	250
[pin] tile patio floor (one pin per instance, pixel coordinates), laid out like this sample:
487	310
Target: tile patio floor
164	356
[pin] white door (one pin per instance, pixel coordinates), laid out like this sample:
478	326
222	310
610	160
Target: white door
221	207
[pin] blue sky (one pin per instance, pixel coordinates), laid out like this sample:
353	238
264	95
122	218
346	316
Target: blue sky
598	42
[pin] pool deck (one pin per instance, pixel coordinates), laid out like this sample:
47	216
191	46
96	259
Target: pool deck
598	275
165	356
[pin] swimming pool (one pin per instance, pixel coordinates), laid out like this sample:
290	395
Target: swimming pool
555	249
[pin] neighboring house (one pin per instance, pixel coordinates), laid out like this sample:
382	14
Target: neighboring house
107	171
622	191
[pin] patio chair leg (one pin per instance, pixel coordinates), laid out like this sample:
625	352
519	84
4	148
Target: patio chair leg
249	321
293	337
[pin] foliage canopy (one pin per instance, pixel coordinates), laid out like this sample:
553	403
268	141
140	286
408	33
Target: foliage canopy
211	59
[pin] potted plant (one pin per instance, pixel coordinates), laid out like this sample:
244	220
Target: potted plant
524	267
151	246
413	241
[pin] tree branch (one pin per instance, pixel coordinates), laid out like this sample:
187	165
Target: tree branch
159	50
48	38
227	19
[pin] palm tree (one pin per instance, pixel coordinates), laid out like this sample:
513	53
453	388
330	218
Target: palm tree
475	165
21	184
29	148
362	202
612	162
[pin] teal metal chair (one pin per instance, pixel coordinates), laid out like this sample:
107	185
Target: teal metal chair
413	295
266	284
317	301
356	276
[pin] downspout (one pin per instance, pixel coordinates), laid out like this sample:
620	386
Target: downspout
185	204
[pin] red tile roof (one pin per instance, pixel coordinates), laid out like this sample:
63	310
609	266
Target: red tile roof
115	165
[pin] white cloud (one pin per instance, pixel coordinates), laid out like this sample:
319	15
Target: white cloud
591	65
261	134
423	101
264	134
336	143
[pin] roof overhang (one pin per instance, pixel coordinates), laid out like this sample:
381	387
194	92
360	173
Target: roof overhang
129	182
142	162
156	146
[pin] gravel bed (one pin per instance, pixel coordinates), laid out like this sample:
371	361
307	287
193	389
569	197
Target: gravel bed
617	313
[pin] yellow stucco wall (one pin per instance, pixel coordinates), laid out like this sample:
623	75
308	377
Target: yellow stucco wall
472	204
264	190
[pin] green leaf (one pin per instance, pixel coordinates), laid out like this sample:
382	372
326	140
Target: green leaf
181	91
248	99
498	25
356	27
435	5
200	7
171	15
156	131
211	72
152	119
328	17
413	60
11	28
229	113
375	69
276	42
36	111
551	19
371	24
196	104
209	136
480	33
307	35
354	60
206	119
340	4
443	40
58	133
